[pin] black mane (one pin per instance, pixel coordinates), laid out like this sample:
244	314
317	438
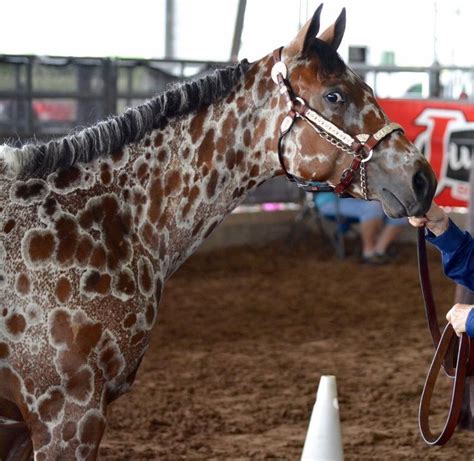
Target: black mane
109	136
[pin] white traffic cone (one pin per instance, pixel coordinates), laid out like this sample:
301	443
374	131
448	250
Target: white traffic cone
323	439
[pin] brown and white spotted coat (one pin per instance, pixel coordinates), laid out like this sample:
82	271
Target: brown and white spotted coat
85	252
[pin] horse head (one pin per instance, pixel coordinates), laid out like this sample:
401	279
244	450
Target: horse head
334	131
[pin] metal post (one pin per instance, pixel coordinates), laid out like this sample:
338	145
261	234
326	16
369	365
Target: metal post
28	96
170	30
110	87
239	26
465	296
435	82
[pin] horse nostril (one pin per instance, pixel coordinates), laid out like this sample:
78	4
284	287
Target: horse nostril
422	184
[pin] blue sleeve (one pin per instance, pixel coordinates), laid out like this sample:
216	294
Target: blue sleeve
470	323
457	250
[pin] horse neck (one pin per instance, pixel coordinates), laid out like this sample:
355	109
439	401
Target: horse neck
205	164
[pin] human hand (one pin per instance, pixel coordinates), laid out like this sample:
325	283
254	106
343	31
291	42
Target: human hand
436	220
457	317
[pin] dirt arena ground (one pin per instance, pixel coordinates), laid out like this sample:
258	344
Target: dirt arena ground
242	339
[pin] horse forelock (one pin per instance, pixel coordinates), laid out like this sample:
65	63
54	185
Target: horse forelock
330	63
108	136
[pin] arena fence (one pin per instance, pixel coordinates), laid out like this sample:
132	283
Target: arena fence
45	97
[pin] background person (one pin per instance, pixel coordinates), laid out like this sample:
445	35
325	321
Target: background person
377	231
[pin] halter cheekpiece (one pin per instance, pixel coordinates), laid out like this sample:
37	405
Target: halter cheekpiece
361	146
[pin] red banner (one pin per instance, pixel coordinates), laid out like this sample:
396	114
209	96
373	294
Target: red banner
444	132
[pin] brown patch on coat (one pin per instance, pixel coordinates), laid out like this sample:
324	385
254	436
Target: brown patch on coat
247	137
51	406
197	227
197	125
130	320
118	155
79	384
67	177
98	258
145	276
158	140
258	133
115	225
250	75
9	225
221	145
125	283
230	158
229	126
155	195
79	336
50	206
110	361
105	174
251	184
69	430
212	184
23	284
210	229
63	289
30	191
261	89
150	314
206	149
4	350
241	104
16	324
40	246
96	283
162	155
142	170
68	236
173	182
149	235
84	249
193	195
136	338
254	172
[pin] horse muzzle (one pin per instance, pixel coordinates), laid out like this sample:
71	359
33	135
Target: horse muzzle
400	199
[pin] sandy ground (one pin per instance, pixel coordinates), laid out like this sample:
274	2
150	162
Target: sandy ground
242	338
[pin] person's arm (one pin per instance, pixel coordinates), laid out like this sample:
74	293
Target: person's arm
455	245
457	249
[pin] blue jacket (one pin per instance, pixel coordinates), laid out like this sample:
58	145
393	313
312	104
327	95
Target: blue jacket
457	250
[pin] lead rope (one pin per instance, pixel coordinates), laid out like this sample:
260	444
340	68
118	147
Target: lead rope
442	344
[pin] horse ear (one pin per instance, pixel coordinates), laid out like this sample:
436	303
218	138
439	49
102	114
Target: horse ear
306	35
333	34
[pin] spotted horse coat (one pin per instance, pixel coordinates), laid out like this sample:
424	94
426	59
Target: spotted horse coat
92	225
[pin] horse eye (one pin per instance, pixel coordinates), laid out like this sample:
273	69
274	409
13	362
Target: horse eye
334	97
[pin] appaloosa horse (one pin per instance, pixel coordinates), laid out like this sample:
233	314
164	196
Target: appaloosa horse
92	225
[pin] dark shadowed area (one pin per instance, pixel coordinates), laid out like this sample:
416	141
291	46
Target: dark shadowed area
242	338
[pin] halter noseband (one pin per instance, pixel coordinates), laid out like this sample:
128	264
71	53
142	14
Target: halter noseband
360	147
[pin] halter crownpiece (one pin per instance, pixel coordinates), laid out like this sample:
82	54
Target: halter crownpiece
360	147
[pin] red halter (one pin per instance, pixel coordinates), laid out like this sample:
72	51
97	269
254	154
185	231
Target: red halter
360	147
